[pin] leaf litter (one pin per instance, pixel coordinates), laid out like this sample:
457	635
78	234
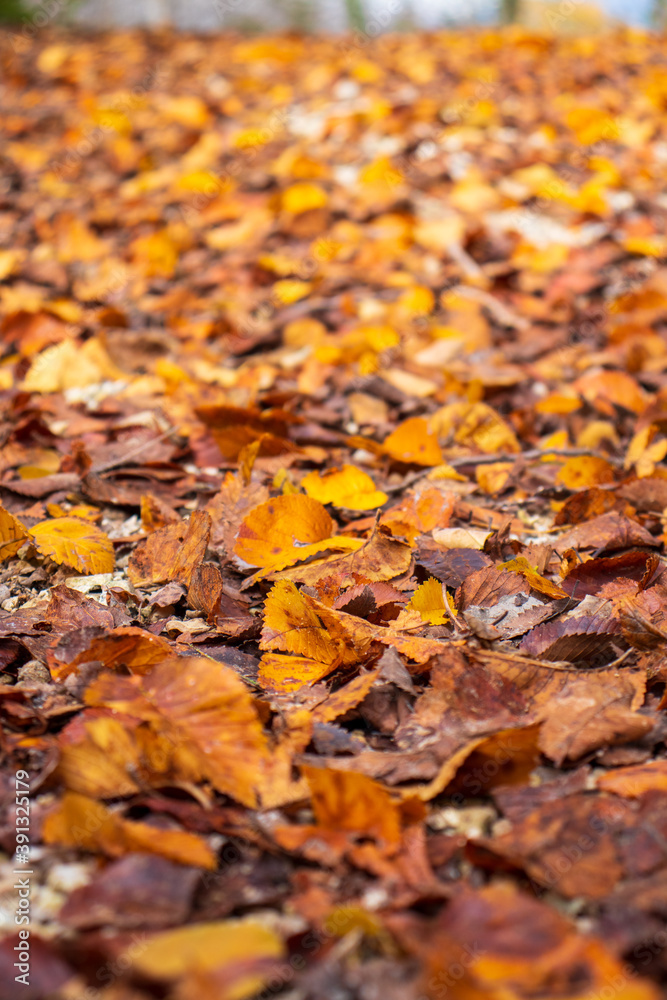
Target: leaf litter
332	520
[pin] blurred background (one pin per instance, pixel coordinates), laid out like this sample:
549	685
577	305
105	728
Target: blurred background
370	16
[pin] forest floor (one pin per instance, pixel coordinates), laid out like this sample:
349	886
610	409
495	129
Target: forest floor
334	505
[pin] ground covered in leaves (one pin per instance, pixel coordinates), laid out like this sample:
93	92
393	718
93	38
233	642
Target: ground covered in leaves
334	607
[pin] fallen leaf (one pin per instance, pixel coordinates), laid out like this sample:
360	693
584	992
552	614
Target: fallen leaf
74	542
12	534
349	487
78	821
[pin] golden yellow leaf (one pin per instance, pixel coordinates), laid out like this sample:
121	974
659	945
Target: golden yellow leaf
227	946
521	565
12	534
492	478
69	365
485	429
303	196
416	301
347	487
647	246
429	600
291	623
283	673
76	543
291	290
580	472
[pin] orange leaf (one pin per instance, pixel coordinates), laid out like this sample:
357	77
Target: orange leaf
78	821
413	443
379	558
345	800
606	389
584	471
208	709
286	530
134	648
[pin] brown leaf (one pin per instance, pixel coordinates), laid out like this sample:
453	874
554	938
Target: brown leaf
171	553
606	533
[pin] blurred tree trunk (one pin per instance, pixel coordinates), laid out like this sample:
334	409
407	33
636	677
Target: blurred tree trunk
509	11
300	13
356	17
659	14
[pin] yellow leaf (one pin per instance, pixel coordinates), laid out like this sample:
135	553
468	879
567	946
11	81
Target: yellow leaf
521	565
185	109
283	672
592	125
156	255
303	197
12	534
348	487
580	472
69	365
493	478
417	301
291	623
485	429
440	234
208	946
381	172
291	290
647	246
76	543
429	600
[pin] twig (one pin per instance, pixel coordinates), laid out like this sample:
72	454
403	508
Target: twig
533	453
502	313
